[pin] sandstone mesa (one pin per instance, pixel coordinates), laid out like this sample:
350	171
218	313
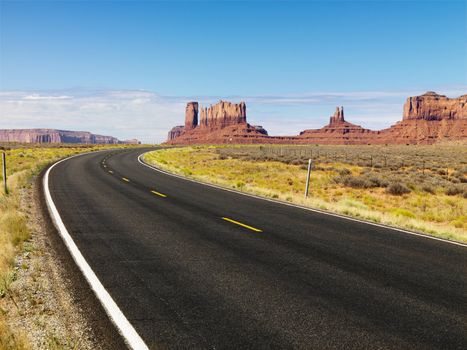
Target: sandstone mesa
426	119
58	136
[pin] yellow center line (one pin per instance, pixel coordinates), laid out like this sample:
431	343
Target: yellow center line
158	194
125	179
110	171
243	225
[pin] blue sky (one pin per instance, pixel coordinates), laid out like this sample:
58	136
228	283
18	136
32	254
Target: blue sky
290	60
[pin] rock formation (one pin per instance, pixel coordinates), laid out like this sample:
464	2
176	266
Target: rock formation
338	116
427	119
191	115
260	129
223	114
338	131
224	122
175	132
432	106
58	136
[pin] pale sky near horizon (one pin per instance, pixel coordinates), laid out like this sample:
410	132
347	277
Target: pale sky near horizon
127	68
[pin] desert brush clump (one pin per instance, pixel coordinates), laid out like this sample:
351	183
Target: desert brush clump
397	189
421	188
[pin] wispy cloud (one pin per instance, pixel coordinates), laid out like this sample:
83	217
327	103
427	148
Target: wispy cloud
148	116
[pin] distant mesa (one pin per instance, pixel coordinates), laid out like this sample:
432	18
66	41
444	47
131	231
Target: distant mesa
58	136
426	119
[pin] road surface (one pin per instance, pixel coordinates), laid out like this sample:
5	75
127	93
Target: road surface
192	266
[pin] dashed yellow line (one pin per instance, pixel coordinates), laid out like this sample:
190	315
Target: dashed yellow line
243	225
110	171
159	194
125	179
105	166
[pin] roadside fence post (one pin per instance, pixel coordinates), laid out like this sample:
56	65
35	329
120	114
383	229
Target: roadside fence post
308	178
4	172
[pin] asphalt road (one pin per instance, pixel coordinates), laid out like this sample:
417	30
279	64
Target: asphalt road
186	277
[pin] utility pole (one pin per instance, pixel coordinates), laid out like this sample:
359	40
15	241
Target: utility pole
308	178
4	172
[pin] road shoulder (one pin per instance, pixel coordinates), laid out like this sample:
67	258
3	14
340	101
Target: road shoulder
50	303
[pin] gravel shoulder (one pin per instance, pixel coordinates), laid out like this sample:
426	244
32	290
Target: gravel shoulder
49	304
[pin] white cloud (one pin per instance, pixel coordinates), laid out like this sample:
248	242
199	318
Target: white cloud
148	116
43	97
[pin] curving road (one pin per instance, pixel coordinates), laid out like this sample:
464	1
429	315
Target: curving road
192	266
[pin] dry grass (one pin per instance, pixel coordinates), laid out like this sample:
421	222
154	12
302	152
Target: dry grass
367	182
10	340
23	163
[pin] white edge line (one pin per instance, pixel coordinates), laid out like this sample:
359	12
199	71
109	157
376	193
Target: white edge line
124	327
298	206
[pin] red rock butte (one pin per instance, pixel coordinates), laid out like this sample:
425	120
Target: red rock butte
426	119
220	123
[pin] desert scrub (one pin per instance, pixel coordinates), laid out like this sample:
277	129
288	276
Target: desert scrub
409	197
397	189
23	163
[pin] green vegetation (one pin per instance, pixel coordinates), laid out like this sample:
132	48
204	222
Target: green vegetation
24	162
421	188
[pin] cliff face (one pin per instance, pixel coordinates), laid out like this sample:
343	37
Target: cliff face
427	119
223	114
432	106
422	131
57	136
191	115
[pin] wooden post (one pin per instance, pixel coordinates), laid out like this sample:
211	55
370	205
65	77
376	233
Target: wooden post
4	172
307	186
